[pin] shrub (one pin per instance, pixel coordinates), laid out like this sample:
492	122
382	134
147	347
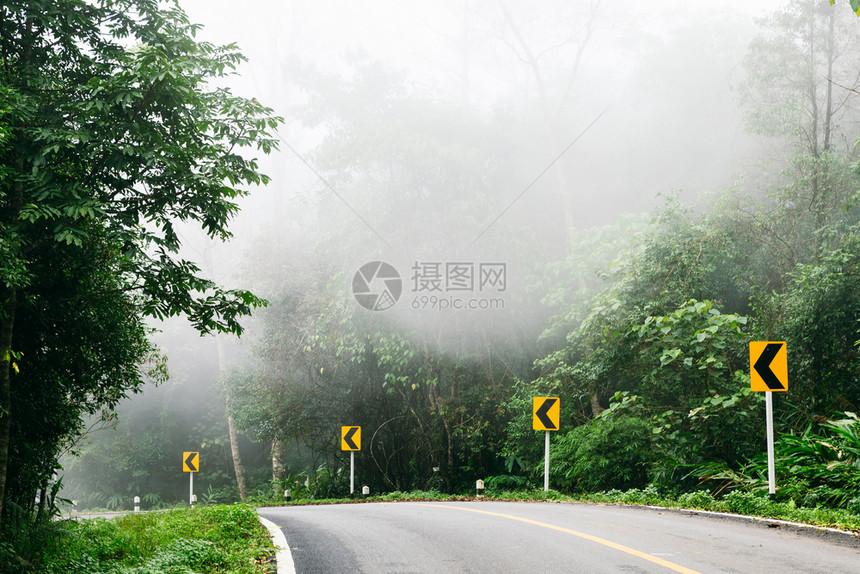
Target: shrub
605	453
699	499
200	540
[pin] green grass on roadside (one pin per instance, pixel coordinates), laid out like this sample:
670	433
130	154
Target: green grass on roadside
736	502
203	540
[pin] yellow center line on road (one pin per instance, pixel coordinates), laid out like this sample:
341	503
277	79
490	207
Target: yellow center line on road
608	543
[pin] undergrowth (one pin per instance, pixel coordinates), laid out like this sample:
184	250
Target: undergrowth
203	540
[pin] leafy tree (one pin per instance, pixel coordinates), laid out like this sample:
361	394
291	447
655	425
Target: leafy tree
819	316
802	89
81	349
675	261
295	389
112	131
796	224
802	79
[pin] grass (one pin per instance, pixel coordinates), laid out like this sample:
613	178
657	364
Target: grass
203	540
736	502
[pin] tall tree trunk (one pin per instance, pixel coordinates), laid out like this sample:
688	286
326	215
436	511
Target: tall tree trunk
9	301
812	88
830	47
555	138
6	322
596	409
450	451
237	459
42	510
277	464
238	469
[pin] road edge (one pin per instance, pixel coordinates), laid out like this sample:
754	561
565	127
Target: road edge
283	556
799	527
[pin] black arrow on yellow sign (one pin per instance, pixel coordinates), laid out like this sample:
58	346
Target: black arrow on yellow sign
762	367
190	461
543	413
347	438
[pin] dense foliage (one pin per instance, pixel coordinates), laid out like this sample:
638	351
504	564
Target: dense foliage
111	133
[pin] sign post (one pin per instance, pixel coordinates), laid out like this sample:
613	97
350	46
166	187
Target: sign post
190	464
771	463
769	373
350	439
546	413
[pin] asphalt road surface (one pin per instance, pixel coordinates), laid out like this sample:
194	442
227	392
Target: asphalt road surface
537	538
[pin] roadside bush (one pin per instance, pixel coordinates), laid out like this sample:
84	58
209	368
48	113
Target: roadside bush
699	499
188	541
812	469
608	452
505	482
748	503
184	556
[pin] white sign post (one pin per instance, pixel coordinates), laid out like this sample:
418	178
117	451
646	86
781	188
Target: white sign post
546	464
771	466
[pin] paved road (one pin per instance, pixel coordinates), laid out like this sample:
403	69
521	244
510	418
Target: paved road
535	538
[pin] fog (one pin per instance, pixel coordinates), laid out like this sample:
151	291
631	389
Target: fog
476	133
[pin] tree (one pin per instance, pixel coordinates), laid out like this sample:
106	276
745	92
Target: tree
111	131
819	315
802	77
77	358
577	22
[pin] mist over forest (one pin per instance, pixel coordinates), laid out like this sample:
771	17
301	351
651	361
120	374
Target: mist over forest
578	177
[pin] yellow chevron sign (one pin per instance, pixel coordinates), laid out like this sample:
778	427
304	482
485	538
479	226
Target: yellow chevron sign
190	461
350	438
768	366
